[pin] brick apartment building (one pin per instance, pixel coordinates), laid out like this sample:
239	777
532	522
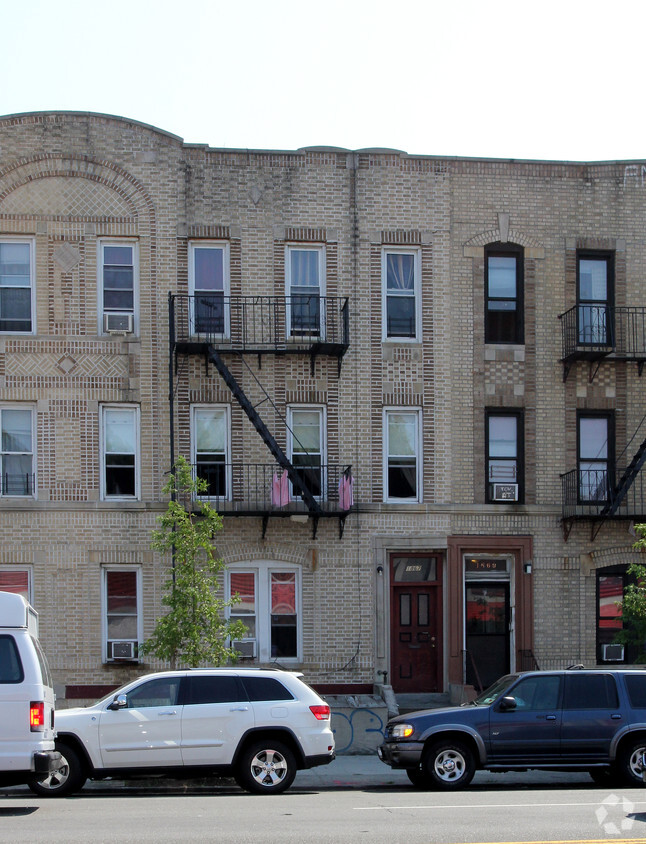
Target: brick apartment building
412	384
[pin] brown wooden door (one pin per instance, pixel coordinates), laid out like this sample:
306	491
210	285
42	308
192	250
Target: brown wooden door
416	627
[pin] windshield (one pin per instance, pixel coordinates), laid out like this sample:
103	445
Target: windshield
495	691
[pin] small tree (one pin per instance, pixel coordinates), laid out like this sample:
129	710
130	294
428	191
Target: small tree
633	606
194	631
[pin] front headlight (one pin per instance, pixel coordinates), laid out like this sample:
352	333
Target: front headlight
402	730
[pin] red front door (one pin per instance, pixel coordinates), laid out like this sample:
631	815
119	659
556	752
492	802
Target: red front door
416	623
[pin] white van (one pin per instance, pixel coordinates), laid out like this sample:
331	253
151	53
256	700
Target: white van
26	697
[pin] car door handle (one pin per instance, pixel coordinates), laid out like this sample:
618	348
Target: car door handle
239	709
550	717
616	717
167	714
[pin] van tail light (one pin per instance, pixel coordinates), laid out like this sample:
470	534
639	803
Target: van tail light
321	712
37	716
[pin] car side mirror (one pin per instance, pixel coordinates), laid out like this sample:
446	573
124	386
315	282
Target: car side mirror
507	703
119	702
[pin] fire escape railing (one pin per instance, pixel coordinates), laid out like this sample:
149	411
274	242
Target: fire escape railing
593	332
262	324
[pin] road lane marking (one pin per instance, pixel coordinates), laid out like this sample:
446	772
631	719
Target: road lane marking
484	806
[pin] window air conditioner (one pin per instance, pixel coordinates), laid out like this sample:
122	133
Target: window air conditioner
612	653
505	492
246	648
118	323
123	650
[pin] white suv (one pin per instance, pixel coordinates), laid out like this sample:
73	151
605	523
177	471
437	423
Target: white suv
258	725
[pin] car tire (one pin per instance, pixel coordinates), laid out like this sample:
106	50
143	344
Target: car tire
266	767
70	777
418	778
449	765
629	762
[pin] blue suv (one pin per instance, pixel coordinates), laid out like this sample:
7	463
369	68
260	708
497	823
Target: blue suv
570	720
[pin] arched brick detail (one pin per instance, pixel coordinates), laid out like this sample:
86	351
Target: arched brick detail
513	236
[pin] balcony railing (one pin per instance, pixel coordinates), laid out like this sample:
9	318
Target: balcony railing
588	493
21	485
592	332
301	323
261	489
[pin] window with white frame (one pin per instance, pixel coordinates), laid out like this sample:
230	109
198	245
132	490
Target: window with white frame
306	447
17	286
208	278
402	455
16	580
400	271
117	268
17	455
305	282
120	451
210	442
269	607
122	615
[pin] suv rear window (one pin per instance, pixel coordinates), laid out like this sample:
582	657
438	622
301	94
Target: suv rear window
265	688
590	691
10	664
213	690
636	685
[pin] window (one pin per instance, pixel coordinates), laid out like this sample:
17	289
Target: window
403	460
269	607
306	446
117	280
504	456
305	286
595	285
120	474
121	599
17	456
590	691
200	689
11	670
504	294
162	691
16	286
209	287
401	293
595	457
537	693
611	586
211	449
265	688
17	581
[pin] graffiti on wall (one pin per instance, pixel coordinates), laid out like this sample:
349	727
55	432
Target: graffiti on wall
357	730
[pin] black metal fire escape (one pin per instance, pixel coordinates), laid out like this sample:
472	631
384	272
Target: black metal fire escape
258	325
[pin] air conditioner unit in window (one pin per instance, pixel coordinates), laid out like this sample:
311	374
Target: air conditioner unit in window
612	653
123	650
246	648
117	323
504	492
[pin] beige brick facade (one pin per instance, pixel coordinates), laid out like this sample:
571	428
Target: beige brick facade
72	182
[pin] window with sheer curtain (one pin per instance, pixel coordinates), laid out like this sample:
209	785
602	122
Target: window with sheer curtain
401	293
403	460
17	456
211	449
209	287
305	287
120	435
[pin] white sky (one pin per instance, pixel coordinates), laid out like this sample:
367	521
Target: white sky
553	79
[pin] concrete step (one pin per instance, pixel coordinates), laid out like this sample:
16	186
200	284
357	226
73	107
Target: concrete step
410	702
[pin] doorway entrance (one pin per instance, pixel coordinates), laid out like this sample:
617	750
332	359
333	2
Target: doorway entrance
487	621
416	623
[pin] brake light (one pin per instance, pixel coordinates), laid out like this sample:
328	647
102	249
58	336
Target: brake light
321	712
36	716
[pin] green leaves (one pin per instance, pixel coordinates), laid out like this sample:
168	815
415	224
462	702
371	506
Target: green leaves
195	630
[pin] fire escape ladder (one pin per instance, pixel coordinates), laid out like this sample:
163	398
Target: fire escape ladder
255	419
625	482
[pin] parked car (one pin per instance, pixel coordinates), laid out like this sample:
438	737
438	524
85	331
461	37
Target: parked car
26	696
258	725
571	720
